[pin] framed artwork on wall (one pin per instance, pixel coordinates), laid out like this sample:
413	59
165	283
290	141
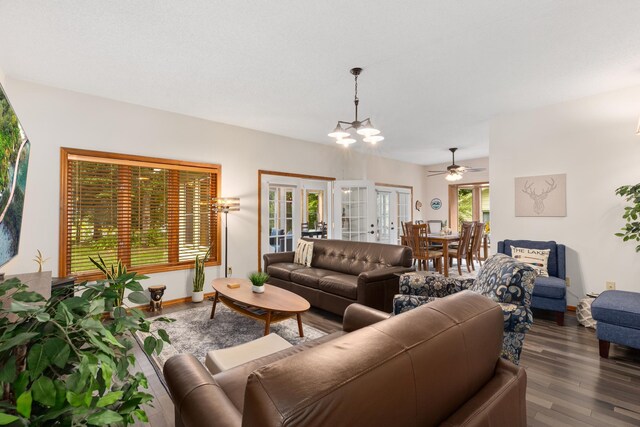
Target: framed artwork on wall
544	195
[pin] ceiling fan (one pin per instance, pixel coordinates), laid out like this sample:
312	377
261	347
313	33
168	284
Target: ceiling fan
454	172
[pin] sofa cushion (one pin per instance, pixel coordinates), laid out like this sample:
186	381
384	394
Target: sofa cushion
282	270
340	284
346	257
549	287
552	266
618	308
309	276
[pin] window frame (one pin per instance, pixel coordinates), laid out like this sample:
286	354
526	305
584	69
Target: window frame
67	154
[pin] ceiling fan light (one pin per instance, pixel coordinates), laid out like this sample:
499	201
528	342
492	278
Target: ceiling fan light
338	132
453	176
373	139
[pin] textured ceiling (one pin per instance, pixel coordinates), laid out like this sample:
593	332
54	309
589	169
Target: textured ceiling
435	72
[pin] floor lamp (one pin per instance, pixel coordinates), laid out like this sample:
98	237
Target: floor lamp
225	205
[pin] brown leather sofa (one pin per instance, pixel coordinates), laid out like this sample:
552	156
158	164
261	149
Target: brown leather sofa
341	273
436	365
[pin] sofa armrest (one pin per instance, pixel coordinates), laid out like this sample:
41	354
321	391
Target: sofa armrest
276	258
196	395
382	274
562	262
501	247
358	316
376	288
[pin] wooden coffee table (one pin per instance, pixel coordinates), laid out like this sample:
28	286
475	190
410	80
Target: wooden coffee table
273	305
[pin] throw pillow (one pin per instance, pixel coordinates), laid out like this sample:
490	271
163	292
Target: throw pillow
304	253
536	258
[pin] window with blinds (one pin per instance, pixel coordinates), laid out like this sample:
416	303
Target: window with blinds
153	214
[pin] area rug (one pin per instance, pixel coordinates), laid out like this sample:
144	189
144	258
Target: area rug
193	332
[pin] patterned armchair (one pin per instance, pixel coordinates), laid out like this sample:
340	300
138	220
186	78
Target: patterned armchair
503	279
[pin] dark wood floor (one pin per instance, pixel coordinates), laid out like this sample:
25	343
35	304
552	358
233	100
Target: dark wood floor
568	383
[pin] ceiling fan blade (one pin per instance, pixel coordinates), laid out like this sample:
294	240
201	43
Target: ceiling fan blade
475	169
437	173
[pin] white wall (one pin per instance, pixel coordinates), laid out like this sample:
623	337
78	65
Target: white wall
593	141
437	186
55	118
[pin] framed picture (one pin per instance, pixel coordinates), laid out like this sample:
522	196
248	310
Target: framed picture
544	195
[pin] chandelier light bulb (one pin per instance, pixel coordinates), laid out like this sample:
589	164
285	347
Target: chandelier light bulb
367	129
338	132
345	141
373	139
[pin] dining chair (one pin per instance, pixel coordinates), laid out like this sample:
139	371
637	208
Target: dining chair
421	251
460	252
323	228
404	239
476	243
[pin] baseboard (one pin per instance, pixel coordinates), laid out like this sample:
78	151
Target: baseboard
571	308
182	300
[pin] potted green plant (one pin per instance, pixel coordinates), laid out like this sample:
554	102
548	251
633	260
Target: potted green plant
631	230
62	363
258	279
117	281
198	277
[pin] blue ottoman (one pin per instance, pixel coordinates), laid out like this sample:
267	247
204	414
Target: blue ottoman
618	316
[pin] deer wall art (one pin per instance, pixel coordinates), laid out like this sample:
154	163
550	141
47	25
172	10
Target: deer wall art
541	195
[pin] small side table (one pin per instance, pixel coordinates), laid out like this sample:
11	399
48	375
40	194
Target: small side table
583	312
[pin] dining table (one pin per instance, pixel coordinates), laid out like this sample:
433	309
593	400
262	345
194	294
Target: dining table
445	240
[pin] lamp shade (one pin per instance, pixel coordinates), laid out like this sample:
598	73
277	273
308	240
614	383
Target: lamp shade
453	176
367	129
225	204
345	141
338	132
373	139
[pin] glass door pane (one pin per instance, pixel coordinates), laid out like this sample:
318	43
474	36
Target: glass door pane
404	211
383	201
281	234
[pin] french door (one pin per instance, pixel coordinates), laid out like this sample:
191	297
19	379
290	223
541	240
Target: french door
355	211
291	207
370	213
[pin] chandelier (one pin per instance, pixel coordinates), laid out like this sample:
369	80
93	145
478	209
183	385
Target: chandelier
362	127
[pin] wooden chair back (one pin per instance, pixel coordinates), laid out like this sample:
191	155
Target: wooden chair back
465	238
420	245
478	234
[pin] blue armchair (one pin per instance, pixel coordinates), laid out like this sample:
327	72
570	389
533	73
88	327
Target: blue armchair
501	278
549	293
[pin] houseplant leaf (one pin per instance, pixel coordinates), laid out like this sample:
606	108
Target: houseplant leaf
44	391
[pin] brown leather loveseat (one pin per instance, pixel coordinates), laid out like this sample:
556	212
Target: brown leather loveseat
341	273
436	365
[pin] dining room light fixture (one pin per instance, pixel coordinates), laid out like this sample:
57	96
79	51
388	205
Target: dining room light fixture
363	128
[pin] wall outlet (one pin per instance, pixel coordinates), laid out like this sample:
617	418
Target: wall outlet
229	271
611	286
568	281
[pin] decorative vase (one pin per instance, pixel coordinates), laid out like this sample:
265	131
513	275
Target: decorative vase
257	289
197	296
